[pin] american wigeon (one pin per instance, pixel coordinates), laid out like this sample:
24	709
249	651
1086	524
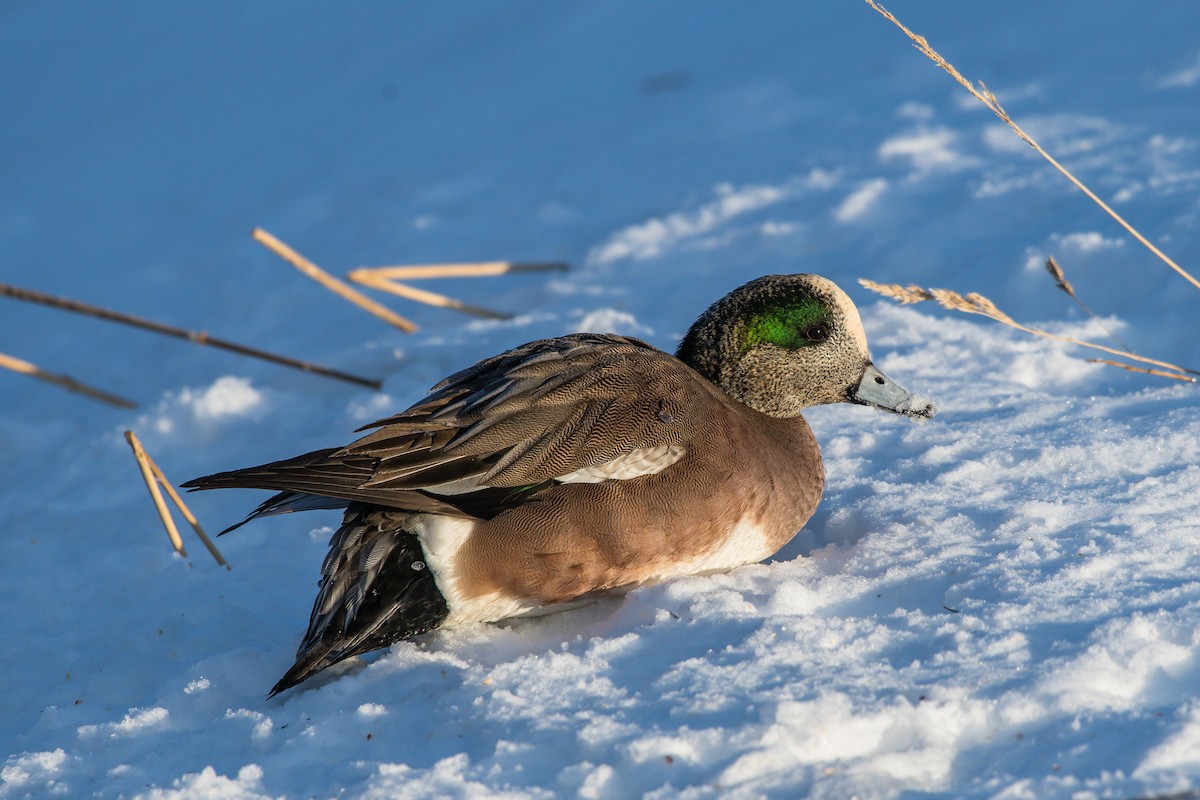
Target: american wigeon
572	466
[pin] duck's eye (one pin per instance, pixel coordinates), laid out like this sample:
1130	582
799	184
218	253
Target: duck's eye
817	332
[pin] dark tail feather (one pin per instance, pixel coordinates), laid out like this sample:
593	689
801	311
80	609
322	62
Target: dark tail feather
286	503
305	667
307	473
322	473
376	589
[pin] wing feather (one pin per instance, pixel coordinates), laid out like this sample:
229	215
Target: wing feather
523	418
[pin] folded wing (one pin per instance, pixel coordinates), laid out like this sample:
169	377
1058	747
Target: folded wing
587	405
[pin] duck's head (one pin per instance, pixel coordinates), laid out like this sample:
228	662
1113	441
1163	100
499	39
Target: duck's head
782	343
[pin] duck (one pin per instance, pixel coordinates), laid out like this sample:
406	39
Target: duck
572	467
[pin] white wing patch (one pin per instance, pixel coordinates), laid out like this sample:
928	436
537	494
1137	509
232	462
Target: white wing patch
647	461
460	486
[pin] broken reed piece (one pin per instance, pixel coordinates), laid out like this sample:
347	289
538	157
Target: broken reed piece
143	462
196	337
386	279
1060	279
154	478
988	99
975	303
467	270
64	381
1132	368
331	283
367	278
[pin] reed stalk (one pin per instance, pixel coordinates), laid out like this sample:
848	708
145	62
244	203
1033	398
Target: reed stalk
331	283
196	337
154	478
64	381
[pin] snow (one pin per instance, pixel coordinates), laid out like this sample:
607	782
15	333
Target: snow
654	237
859	202
1003	602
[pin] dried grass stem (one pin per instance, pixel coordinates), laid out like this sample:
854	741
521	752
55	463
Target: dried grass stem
988	99
974	303
1060	280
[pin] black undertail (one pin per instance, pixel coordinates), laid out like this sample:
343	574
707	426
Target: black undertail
375	589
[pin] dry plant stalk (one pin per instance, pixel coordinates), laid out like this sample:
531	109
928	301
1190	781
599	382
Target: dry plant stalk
368	278
473	270
331	283
386	279
975	303
1060	279
197	337
988	99
64	381
154	478
1132	368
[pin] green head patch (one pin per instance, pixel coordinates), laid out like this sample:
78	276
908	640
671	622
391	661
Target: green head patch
791	324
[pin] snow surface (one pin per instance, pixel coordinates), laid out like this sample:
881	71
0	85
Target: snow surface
1002	602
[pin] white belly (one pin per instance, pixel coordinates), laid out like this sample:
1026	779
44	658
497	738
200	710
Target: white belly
746	544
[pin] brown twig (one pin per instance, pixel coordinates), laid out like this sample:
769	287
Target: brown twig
974	303
367	278
988	99
331	283
64	381
1060	279
153	476
197	337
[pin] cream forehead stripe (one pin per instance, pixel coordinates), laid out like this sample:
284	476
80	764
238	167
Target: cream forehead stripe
846	307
